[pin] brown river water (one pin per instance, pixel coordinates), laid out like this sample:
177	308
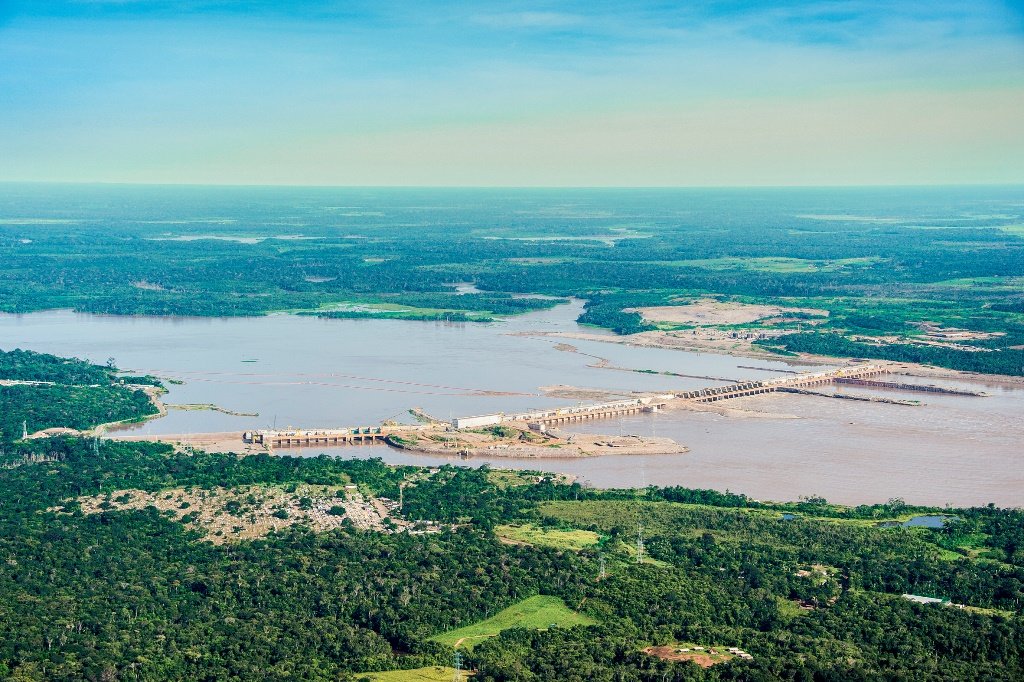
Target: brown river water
307	372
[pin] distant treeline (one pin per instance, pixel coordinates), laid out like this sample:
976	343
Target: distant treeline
874	278
1002	361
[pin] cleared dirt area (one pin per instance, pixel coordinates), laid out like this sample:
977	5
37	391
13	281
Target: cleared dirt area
224	442
712	313
705	657
429	674
515	439
247	512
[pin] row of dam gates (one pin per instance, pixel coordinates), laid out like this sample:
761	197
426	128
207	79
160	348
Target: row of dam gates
716	393
556	416
359	435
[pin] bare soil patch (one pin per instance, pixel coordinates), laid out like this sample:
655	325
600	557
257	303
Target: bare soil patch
516	439
710	313
222	442
705	657
247	512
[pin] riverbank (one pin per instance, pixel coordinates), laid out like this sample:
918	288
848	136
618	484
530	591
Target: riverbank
721	343
323	373
154	394
221	442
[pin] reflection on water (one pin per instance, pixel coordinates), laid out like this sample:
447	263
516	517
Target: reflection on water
323	373
926	521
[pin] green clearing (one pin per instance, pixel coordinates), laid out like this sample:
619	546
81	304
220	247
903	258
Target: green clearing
732	525
789	609
1017	230
530	534
536	613
662	515
628	549
657	517
773	264
1002	613
508	478
994	283
429	674
397	311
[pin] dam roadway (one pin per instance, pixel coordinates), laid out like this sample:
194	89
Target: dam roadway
559	416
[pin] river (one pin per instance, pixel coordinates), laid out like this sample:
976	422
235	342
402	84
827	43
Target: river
309	372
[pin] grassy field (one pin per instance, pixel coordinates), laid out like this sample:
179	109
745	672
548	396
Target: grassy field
529	534
657	517
1013	229
430	674
506	478
670	515
789	609
537	613
744	525
399	311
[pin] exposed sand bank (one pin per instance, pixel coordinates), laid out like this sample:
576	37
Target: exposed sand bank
514	439
740	344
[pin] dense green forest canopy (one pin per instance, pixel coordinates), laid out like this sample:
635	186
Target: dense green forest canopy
135	595
40	391
881	262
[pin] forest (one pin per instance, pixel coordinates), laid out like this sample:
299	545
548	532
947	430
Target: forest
40	391
933	259
812	590
134	595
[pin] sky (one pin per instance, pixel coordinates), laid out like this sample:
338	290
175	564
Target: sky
536	93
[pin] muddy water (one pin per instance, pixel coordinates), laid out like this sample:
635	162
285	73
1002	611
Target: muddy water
307	372
954	450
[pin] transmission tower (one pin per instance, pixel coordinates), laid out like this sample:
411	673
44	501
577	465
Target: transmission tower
458	667
603	573
639	543
24	430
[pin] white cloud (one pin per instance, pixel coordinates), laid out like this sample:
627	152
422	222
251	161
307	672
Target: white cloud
535	20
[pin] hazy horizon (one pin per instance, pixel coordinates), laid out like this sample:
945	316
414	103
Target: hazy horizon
541	93
229	185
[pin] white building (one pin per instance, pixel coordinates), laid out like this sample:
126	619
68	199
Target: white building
475	422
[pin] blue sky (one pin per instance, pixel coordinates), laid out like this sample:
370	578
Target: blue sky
512	93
